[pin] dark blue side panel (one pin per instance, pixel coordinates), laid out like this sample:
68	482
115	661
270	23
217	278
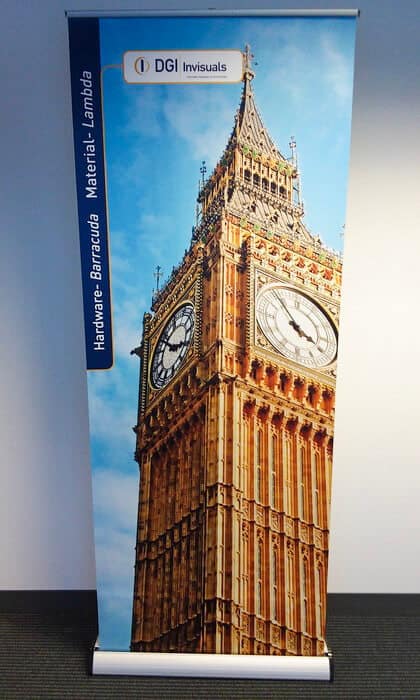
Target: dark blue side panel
91	196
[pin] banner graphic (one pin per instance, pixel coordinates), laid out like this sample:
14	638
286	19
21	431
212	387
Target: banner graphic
211	166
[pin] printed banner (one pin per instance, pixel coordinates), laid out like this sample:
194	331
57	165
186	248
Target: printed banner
211	166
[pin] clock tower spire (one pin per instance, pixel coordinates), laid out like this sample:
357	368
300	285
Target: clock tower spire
235	421
253	176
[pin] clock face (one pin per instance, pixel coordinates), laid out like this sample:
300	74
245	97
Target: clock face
296	326
172	346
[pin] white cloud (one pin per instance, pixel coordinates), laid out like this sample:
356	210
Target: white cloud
116	498
127	292
118	603
192	114
127	327
154	235
297	65
145	115
113	409
338	70
114	559
115	503
202	119
128	168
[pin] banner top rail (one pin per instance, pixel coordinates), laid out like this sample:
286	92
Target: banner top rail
214	12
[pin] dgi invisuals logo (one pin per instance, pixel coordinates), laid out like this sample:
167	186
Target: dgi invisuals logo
160	65
210	66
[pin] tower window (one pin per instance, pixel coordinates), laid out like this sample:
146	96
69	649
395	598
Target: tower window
301	481
273	187
237	550
304	592
256	179
259	568
319	597
265	184
273	454
315	486
258	456
247	175
245	572
287	466
275	581
282	191
290	590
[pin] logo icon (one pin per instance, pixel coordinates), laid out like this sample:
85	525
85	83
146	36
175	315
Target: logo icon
141	66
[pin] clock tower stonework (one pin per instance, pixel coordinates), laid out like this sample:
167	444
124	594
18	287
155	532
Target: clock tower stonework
236	416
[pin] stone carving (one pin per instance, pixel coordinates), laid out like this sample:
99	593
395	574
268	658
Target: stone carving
307	647
291	641
245	622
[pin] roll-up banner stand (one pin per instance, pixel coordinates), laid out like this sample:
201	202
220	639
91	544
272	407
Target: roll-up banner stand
211	164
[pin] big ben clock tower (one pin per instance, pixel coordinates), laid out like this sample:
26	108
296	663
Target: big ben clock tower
235	419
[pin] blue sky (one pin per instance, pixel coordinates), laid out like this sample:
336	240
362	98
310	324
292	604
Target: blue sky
156	138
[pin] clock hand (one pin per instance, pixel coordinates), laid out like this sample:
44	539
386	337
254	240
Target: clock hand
295	325
296	328
302	333
170	346
176	346
292	320
311	340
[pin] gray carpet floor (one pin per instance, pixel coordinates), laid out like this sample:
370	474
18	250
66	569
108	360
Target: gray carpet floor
45	654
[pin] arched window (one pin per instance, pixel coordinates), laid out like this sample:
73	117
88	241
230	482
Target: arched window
256	179
273	478
258	463
282	191
273	187
304	594
290	589
319	600
287	468
245	456
275	584
237	557
153	498
244	556
247	175
265	184
315	486
301	480
258	577
329	456
175	574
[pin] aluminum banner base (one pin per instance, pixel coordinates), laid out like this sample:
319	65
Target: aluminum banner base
302	668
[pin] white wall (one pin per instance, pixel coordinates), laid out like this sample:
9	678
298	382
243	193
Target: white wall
46	535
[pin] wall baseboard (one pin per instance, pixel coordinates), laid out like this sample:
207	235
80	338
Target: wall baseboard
84	603
374	604
80	603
